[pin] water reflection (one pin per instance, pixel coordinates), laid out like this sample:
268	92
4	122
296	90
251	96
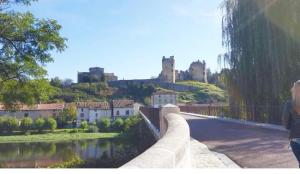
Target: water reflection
97	153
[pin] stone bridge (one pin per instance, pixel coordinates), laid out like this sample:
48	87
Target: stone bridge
186	140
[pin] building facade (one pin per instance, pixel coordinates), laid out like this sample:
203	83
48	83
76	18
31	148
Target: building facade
92	111
162	98
122	108
35	111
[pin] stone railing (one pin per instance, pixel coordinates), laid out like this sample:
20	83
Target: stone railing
172	150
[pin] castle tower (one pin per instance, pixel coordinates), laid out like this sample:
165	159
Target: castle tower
168	70
197	71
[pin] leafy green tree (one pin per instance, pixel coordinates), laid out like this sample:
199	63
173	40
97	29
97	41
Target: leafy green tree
127	124
3	121
104	124
118	124
56	82
84	125
11	124
26	44
40	124
26	124
51	124
93	129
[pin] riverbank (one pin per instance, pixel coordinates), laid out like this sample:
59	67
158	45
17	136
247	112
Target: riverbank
54	137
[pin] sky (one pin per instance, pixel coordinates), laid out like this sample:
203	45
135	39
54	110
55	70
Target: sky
130	37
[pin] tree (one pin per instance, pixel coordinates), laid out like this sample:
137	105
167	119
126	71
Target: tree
11	124
104	124
26	44
67	83
26	124
84	125
51	124
3	121
118	124
40	124
56	82
262	40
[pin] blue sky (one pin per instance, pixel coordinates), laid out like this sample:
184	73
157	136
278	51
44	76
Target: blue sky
130	37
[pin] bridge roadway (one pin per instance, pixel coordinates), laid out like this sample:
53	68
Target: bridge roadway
248	146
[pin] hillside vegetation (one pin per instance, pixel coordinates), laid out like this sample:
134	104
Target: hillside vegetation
206	93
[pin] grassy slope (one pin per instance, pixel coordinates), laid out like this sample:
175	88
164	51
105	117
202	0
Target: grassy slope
204	94
49	137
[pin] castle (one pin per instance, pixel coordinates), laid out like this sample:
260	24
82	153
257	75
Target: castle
169	74
95	74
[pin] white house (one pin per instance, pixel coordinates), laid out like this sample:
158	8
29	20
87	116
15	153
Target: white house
122	108
161	98
34	111
92	111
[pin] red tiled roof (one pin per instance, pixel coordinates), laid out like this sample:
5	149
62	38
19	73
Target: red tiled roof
94	105
38	107
123	103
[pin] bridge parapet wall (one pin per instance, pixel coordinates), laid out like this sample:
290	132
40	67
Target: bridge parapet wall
172	150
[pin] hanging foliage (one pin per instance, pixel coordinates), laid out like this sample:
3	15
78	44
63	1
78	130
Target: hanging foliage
262	38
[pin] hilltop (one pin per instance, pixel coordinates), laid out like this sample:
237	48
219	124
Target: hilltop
202	93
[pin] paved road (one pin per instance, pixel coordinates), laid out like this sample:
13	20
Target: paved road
249	147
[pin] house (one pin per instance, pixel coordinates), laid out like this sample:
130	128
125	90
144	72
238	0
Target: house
92	111
35	111
161	98
122	108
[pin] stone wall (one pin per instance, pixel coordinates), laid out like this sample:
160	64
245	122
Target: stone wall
173	149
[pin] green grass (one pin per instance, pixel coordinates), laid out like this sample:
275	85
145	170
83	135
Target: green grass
205	93
54	137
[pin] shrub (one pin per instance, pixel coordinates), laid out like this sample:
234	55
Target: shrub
2	124
118	124
104	124
51	124
11	124
40	124
127	124
26	124
84	125
93	129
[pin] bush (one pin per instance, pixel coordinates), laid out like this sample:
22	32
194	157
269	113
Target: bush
104	124
127	124
11	124
40	124
93	129
2	124
84	125
26	124
130	122
51	124
118	124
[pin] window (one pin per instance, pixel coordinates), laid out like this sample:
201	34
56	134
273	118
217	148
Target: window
127	112
82	115
26	115
95	110
81	109
118	113
96	114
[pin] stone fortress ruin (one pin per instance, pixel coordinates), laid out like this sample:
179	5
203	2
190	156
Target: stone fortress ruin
197	71
95	74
